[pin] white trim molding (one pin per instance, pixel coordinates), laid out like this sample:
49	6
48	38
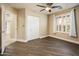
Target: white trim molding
44	36
20	40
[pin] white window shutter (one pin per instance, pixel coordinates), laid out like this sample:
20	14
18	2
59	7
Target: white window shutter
73	24
54	24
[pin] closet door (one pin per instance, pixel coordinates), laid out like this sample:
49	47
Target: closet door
33	27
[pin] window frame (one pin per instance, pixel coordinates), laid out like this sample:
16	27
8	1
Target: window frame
62	15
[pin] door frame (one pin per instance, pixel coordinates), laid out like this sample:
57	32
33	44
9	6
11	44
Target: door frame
0	29
2	18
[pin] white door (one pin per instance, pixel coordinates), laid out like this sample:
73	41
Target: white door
32	27
4	30
6	26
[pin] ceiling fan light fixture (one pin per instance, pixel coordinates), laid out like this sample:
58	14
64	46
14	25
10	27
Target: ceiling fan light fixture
48	8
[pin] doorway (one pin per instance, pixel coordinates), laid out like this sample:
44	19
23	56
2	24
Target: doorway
32	27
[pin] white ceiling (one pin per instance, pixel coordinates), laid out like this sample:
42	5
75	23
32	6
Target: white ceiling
33	7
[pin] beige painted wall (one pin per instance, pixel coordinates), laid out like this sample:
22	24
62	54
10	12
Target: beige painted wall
63	35
13	24
22	23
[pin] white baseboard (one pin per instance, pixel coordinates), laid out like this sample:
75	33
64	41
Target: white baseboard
68	40
20	40
37	38
44	36
33	39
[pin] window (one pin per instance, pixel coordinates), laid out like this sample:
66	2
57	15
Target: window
59	23
63	23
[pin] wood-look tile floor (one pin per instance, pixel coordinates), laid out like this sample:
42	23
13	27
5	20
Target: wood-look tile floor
43	47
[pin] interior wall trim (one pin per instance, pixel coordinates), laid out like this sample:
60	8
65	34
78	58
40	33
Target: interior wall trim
20	40
52	37
44	36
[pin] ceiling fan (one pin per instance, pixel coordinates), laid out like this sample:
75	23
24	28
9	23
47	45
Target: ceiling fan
49	7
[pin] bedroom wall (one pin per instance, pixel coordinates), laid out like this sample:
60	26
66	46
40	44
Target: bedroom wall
22	23
63	35
42	21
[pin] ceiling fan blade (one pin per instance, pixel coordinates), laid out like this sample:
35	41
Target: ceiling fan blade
41	6
57	7
49	4
42	10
